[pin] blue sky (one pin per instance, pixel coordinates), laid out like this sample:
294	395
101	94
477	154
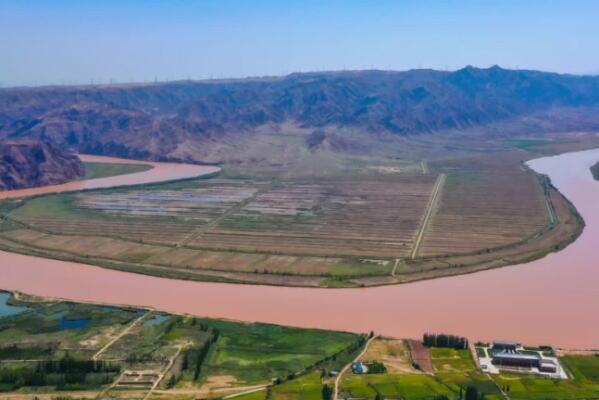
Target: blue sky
49	42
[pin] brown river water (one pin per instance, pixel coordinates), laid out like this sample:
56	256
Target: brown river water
554	300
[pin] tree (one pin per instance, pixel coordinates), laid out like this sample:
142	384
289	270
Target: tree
327	392
172	381
471	393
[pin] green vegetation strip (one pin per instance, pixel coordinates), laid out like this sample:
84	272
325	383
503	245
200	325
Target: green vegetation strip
94	170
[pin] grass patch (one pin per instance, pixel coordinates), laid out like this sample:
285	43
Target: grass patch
531	387
405	386
452	360
583	368
255	352
94	170
306	387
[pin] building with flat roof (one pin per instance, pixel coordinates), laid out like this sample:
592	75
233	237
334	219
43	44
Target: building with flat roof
547	366
510	359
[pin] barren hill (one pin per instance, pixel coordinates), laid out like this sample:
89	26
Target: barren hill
251	120
29	164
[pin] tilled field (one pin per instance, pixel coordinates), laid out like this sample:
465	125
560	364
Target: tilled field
485	206
377	218
145	231
474	213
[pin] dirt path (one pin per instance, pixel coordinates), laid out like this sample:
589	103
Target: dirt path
163	372
348	366
397	260
421	356
120	335
434	199
247	391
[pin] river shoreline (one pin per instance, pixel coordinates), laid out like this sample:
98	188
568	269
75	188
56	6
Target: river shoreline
556	305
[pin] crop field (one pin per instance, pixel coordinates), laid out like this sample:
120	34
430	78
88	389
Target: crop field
455	371
140	351
408	386
533	388
484	206
52	348
456	368
243	226
341	218
451	371
471	213
327	219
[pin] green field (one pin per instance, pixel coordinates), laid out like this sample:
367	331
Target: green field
253	352
407	386
94	170
191	352
48	347
531	387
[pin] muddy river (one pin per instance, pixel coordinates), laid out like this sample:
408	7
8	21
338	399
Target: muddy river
554	300
159	172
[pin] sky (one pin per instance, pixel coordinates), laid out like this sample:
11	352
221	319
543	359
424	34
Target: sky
79	42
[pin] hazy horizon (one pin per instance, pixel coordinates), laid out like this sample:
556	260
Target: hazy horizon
68	42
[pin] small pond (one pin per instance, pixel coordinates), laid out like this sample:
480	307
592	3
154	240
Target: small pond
7	309
73	323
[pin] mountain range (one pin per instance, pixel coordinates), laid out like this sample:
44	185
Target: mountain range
249	120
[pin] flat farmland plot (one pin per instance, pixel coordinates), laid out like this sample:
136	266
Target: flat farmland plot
378	217
350	230
163	216
484	205
200	204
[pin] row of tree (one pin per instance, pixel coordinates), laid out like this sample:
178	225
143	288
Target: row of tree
68	364
194	358
14	352
66	373
443	340
471	393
